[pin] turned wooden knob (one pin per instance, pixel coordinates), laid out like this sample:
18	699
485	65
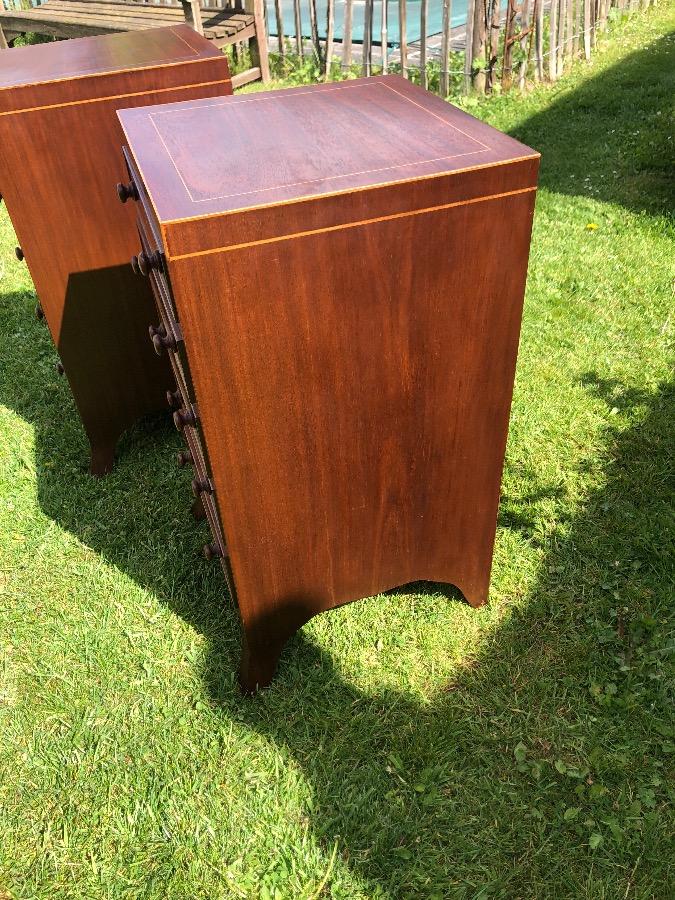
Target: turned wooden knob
39	312
149	261
161	340
184	458
173	398
18	252
201	486
183	417
59	368
212	551
127	192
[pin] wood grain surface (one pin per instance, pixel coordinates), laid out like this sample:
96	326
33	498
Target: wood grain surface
301	143
59	162
353	371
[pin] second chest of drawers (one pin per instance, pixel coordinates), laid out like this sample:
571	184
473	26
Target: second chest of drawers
59	163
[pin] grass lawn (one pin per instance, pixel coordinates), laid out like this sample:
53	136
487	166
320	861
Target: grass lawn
410	747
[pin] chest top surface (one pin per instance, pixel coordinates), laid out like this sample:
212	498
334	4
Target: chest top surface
217	156
101	55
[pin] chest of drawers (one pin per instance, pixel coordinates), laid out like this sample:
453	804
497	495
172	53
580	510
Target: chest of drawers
339	275
59	163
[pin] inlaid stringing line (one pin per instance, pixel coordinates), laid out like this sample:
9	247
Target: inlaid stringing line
312	198
179	60
179	87
360	223
291	95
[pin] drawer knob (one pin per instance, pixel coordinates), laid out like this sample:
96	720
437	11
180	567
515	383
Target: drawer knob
39	312
149	261
18	252
160	339
174	399
127	192
184	458
183	417
212	551
201	486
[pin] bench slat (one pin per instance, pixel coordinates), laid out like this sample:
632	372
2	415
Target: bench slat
73	14
81	18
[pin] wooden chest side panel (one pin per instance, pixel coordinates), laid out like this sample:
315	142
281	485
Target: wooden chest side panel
58	170
355	388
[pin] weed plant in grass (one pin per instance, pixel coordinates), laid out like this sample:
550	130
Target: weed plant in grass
410	747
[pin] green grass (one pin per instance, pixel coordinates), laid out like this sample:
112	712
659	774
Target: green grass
410	747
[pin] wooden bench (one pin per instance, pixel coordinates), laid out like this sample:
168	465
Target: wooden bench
80	18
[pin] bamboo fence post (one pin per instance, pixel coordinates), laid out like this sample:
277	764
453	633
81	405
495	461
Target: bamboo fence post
298	27
468	46
570	28
577	28
330	31
315	30
402	36
539	40
562	10
594	15
553	38
280	26
478	48
367	37
445	48
384	40
424	12
493	20
347	36
587	29
525	42
507	59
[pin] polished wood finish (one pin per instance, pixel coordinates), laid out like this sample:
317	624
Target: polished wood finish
237	23
350	304
59	164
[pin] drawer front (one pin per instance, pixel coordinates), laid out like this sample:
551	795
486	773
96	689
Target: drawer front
156	270
202	484
167	337
135	191
194	444
170	339
214	524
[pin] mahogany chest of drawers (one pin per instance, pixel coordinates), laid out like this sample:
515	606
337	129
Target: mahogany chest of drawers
59	163
339	274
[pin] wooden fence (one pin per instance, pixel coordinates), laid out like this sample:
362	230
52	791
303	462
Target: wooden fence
502	42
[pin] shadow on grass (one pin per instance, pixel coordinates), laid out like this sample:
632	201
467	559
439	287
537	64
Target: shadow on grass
575	677
611	138
567	706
